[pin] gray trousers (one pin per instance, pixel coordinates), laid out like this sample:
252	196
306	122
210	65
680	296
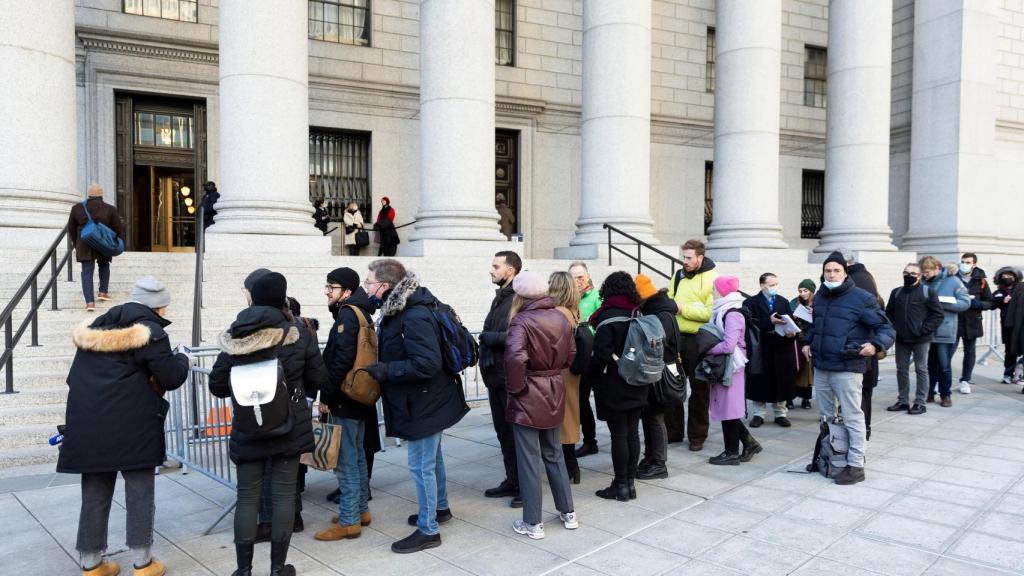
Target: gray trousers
532	446
843	390
904	352
97	493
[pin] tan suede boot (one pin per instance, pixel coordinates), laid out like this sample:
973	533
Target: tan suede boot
338	532
103	569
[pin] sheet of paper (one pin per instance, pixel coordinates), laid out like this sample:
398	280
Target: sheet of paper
789	326
947	299
804	313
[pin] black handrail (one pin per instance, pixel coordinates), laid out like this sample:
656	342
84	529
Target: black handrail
197	291
640	245
11	337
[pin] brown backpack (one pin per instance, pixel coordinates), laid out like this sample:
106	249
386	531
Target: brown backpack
358	384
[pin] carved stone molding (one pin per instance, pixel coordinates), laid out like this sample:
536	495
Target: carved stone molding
147	48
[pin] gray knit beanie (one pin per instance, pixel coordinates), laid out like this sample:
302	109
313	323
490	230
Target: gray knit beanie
151	292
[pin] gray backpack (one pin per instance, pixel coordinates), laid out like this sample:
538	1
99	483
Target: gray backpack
830	450
643	355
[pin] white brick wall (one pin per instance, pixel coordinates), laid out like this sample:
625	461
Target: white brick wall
902	62
804	22
1010	64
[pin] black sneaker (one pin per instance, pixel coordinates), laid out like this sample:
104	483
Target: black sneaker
334	496
586	449
755	422
515	502
783	421
917	409
443	515
416	542
503	490
806	404
652	472
898	407
725	459
850	475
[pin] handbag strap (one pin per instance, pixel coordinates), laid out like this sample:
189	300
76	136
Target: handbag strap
86	208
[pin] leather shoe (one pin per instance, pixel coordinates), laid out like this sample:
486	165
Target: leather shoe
696	445
442	517
931	397
725	459
898	407
756	422
653	471
618	492
586	449
917	409
783	421
416	542
946	402
850	475
749	451
503	490
516	502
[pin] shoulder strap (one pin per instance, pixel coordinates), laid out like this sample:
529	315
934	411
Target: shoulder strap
614	321
86	208
675	285
359	315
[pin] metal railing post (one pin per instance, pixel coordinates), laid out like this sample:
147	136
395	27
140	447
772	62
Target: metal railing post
9	348
35	312
609	245
53	274
639	247
197	293
71	250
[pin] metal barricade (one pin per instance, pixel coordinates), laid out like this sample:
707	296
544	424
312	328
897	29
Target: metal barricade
993	337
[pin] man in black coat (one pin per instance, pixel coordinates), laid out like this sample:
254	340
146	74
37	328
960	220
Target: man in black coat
865	281
916	314
115	419
1009	298
101	213
504	268
774	385
969	325
421	399
210	197
351	308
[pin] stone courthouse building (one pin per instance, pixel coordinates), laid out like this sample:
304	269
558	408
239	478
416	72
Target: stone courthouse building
792	126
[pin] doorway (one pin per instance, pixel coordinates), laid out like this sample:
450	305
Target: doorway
506	171
165	208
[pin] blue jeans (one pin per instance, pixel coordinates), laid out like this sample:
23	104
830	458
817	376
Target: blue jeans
426	464
940	368
351	471
87	268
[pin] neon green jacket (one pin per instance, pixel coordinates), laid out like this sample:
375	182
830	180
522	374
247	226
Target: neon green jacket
693	295
589	304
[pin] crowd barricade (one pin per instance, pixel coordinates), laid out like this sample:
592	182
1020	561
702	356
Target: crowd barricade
993	337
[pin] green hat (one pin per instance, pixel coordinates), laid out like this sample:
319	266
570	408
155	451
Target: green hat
807	283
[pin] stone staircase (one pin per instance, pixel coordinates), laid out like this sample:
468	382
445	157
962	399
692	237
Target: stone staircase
29	418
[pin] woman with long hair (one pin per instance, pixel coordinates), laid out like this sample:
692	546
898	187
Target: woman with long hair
563	290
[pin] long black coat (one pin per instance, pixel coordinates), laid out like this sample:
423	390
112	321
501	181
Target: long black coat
778	353
100	212
420	398
340	357
115	418
612	394
492	338
969	324
261	333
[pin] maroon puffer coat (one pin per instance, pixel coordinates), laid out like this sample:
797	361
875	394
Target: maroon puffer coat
539	345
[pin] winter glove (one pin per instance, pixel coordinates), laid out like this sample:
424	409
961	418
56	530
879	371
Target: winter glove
379	371
486	338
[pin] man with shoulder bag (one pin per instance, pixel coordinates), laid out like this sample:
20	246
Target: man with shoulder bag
93	210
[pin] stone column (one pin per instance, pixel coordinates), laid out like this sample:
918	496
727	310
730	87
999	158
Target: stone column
857	127
456	125
616	146
952	139
38	167
748	38
264	131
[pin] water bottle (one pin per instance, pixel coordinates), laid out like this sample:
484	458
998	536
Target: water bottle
58	437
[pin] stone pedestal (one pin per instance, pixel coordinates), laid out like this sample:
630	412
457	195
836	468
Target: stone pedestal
857	137
264	131
38	167
747	64
616	144
456	125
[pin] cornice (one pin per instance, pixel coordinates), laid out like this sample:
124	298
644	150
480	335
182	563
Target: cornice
95	41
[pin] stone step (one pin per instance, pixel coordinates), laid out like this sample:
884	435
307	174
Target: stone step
57	395
42	457
48	414
26	436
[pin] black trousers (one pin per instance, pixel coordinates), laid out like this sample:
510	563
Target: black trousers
624	428
1009	360
353	250
284	471
734	432
867	385
497	397
569	455
588	424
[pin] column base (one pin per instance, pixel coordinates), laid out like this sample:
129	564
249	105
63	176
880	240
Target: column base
266	244
469	248
769	256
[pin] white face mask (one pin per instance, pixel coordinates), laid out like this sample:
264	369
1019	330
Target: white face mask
832	285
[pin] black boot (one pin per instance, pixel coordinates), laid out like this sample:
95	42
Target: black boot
278	554
617	491
750	446
587	448
243	556
632	489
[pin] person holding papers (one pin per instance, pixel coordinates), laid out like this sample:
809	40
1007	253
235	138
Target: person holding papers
802	305
772	316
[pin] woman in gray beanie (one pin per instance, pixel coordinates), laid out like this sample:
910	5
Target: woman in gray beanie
122	368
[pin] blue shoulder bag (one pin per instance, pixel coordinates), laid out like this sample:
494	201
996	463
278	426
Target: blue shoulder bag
100	237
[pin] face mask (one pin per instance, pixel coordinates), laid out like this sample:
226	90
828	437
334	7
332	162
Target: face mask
832	285
1006	281
771	291
909	281
965	268
376	302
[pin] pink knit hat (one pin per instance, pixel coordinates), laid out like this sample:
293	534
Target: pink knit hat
726	285
530	285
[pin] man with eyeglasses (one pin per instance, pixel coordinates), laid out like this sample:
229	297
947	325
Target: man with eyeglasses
916	313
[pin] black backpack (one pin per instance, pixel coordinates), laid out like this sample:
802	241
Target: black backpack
752	339
260	409
459	349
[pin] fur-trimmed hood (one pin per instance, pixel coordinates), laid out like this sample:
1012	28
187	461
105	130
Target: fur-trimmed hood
258	328
398	297
126	327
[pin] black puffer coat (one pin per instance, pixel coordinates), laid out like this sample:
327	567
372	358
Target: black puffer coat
492	338
970	324
115	417
844	319
259	333
420	398
612	394
340	357
914	316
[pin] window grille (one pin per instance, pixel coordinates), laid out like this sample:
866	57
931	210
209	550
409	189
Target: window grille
815	77
343	21
812	206
709	171
339	171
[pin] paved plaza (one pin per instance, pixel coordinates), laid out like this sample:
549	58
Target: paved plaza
944	496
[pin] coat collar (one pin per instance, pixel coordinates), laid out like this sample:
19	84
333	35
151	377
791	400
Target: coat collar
123	339
258	340
398	297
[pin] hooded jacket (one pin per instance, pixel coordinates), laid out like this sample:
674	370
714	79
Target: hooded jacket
692	292
970	324
662	306
115	415
492	338
1012	312
948	286
540	345
420	398
844	319
262	333
914	316
340	356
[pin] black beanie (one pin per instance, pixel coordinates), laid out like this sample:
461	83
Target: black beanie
347	278
253	276
837	257
270	289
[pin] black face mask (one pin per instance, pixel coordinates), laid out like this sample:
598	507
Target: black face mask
909	281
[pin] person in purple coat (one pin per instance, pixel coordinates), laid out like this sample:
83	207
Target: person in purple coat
728	402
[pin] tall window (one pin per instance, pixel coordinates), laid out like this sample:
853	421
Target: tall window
344	21
709	180
505	32
164	130
812	211
709	68
339	170
184	10
815	76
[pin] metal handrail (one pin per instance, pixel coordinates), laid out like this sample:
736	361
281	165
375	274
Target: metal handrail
11	336
640	245
197	293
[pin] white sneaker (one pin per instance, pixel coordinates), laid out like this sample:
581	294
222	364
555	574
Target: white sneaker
965	387
534	531
569	519
1006	380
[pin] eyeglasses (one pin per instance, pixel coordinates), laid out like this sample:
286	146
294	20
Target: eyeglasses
367	283
333	287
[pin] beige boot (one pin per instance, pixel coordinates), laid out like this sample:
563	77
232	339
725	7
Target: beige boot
103	569
154	568
338	532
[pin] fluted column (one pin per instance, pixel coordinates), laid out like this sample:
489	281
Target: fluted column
747	63
38	167
456	122
857	127
616	147
264	125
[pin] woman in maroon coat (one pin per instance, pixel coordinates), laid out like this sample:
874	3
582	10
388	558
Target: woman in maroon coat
538	346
